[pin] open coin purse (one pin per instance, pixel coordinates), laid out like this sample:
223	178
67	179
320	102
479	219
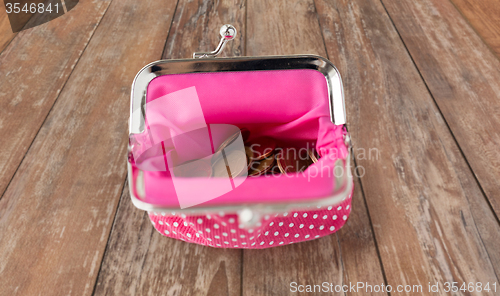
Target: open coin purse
190	121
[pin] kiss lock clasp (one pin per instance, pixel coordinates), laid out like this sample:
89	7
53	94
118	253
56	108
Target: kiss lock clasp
228	33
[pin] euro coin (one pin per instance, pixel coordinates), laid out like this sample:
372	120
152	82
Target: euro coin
232	164
263	166
228	141
290	160
313	154
263	147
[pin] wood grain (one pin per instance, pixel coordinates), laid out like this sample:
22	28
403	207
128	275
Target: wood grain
271	271
359	254
56	214
275	28
140	261
34	68
463	77
6	34
484	17
295	30
430	217
350	256
424	204
196	28
282	28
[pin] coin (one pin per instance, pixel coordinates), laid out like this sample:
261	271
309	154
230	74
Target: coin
193	169
233	164
263	147
289	161
219	168
313	154
228	141
275	170
263	166
237	163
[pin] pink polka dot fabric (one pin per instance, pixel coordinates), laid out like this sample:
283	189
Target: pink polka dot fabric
223	231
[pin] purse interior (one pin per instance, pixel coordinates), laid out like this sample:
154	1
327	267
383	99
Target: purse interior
290	106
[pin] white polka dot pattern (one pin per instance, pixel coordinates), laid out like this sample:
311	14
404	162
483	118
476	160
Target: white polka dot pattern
222	231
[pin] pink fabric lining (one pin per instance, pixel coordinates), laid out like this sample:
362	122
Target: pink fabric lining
291	106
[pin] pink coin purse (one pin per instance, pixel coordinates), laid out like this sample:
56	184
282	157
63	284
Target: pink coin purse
182	110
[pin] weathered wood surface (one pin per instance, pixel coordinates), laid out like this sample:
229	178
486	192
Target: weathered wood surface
420	211
6	34
463	76
484	17
424	203
359	254
139	260
196	27
270	271
34	68
57	213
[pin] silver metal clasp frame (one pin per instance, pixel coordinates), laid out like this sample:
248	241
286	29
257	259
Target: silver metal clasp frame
205	62
227	33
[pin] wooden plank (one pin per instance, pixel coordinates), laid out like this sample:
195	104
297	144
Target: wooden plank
272	271
24	20
291	27
340	259
33	70
140	261
283	27
6	34
360	260
431	220
57	213
196	28
484	17
463	77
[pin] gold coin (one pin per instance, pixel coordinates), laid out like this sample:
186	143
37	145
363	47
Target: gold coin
263	147
276	169
263	166
313	154
232	165
194	169
290	161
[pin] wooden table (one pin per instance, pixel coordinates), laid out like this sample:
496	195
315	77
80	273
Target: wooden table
422	84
